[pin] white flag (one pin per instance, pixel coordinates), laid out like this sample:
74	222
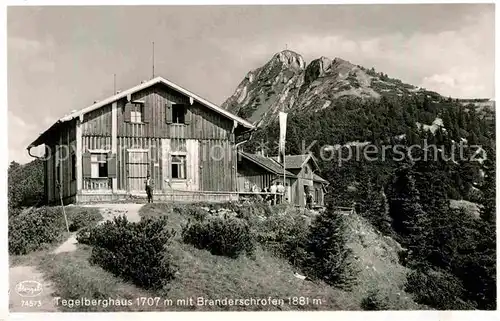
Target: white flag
282	135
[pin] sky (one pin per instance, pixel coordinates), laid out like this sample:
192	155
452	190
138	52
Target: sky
61	59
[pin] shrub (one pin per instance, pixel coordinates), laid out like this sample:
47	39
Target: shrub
373	302
228	236
438	289
83	235
134	251
29	230
328	257
285	235
25	184
81	217
33	228
197	213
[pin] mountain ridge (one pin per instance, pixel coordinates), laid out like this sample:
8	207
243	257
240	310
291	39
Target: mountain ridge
287	83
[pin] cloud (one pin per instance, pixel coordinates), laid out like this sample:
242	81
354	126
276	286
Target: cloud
468	82
20	135
456	62
34	56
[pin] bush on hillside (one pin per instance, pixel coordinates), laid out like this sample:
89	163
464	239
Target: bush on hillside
134	251
31	229
83	235
227	236
374	302
438	289
248	210
329	258
25	184
285	235
80	217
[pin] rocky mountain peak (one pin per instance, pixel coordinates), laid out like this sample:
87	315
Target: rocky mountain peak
285	83
318	68
290	59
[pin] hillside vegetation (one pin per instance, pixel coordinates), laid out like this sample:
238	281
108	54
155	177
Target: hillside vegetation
370	277
452	253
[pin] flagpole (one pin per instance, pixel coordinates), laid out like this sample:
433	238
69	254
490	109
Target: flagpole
282	118
284	170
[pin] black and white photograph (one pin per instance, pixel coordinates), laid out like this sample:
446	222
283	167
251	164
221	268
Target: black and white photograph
268	157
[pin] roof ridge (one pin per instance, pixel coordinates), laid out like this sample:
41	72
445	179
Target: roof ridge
128	92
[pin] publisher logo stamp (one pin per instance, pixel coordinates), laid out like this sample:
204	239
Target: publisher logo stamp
29	289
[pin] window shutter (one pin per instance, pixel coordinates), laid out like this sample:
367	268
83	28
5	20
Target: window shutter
146	116
187	115
168	112
111	165
128	109
86	168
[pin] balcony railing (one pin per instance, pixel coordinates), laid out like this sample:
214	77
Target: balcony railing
97	184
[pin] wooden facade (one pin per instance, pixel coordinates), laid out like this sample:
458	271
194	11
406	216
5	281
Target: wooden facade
185	143
261	171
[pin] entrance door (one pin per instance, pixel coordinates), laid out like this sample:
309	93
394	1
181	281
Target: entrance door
137	169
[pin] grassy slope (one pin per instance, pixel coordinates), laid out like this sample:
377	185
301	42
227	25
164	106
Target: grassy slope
378	264
201	274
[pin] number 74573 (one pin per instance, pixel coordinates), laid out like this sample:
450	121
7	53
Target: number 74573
31	303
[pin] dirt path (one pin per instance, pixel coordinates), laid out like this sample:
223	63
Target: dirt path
108	211
29	291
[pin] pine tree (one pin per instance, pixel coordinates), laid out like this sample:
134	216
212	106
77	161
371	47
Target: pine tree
488	211
384	222
409	219
329	258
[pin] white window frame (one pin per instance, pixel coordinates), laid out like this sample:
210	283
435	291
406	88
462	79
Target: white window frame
136	114
94	164
181	154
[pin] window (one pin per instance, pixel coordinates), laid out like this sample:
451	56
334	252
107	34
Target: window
98	165
178	112
73	167
306	169
178	166
136	113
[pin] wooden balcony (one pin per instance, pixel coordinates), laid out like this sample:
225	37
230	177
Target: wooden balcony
97	184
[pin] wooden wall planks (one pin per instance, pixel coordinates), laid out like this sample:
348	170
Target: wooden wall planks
209	137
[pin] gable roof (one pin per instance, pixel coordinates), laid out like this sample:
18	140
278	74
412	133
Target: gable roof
128	92
267	163
297	161
273	166
320	179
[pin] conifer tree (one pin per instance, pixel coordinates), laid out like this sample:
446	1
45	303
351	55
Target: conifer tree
329	257
409	219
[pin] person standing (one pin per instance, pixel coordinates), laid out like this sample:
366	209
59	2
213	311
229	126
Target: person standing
309	199
281	192
273	191
149	188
